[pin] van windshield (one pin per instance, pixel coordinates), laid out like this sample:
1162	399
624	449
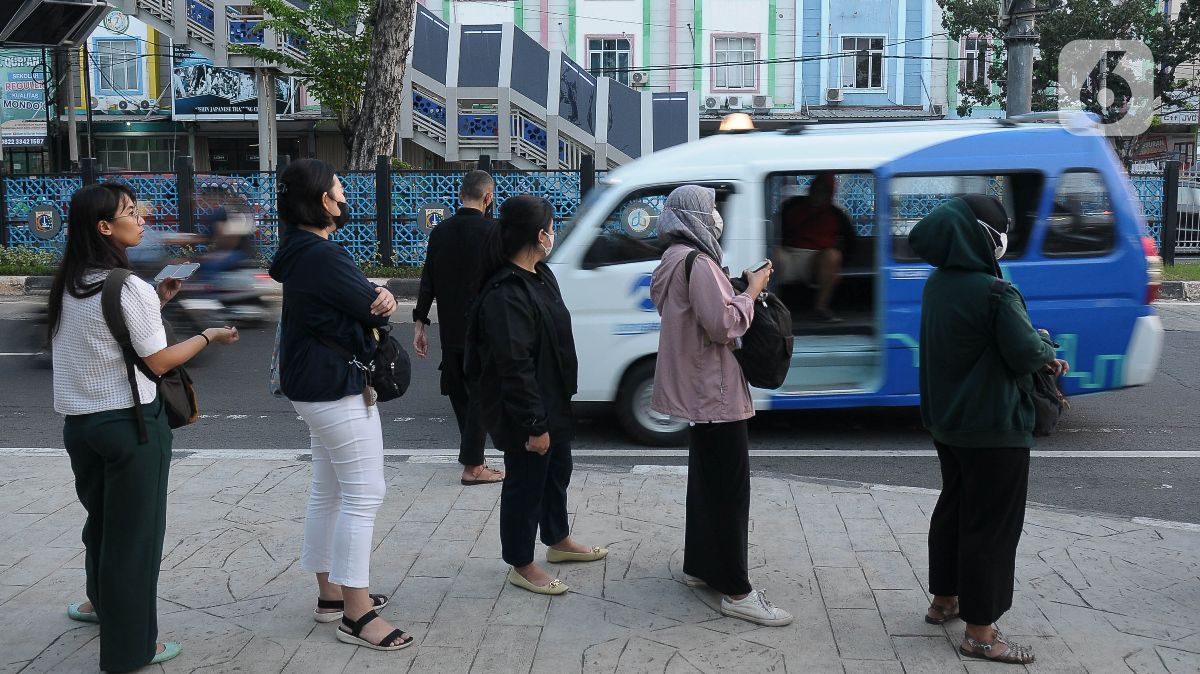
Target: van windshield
589	200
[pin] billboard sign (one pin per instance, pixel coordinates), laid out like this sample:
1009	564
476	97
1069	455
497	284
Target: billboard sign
202	91
23	97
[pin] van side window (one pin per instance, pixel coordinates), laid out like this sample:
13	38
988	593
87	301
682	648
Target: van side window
914	197
630	232
1081	222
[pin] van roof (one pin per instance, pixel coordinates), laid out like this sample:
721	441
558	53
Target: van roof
837	147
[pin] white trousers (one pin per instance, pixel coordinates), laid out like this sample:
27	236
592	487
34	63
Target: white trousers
347	489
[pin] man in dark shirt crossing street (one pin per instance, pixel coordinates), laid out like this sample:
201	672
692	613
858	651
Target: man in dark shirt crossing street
451	278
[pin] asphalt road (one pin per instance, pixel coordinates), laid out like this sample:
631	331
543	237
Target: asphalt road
1164	416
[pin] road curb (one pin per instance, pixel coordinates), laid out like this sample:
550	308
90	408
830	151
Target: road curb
1180	290
40	285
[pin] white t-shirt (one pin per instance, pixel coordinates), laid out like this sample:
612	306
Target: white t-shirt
89	372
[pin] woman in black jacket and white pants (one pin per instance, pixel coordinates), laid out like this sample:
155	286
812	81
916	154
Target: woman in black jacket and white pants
521	350
328	301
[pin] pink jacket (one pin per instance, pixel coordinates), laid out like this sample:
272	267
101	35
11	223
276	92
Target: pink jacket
697	377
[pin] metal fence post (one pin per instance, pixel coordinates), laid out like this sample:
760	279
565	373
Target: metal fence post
3	207
280	230
383	209
484	163
587	175
185	188
1170	211
87	167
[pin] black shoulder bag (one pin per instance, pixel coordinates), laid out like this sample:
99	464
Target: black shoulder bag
1049	403
174	387
387	373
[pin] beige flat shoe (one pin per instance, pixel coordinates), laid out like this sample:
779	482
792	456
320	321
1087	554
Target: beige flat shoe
595	554
555	587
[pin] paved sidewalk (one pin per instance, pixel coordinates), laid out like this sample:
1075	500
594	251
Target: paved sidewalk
1094	594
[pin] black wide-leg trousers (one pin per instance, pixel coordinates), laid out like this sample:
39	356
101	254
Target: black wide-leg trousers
718	506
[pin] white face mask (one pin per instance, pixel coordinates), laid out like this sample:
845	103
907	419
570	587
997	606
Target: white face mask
1001	249
547	249
718	224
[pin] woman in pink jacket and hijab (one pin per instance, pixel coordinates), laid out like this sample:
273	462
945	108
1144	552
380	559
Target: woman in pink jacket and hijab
699	380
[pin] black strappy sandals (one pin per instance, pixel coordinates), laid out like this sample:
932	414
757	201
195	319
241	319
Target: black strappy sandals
350	630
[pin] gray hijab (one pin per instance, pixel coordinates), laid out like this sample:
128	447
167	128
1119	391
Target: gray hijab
688	219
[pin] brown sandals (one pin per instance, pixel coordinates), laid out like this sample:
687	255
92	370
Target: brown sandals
944	614
1015	655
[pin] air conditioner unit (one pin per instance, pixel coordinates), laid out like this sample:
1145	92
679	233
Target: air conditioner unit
763	102
733	102
938	110
639	78
713	102
834	95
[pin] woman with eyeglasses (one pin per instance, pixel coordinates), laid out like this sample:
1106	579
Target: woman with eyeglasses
121	481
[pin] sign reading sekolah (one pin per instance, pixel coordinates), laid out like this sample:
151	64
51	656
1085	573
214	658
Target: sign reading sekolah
22	97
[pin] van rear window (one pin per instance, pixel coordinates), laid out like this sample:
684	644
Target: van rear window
914	197
1081	222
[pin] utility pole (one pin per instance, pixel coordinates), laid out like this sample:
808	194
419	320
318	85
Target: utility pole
1017	16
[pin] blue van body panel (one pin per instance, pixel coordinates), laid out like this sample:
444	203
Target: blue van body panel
1088	304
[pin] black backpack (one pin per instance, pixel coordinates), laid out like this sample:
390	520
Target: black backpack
766	352
174	387
1049	403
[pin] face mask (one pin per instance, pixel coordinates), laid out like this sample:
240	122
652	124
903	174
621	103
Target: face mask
547	249
718	226
1001	249
343	215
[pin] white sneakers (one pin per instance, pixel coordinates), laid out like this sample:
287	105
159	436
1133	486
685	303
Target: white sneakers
756	609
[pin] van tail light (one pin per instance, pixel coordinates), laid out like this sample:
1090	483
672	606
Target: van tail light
1154	269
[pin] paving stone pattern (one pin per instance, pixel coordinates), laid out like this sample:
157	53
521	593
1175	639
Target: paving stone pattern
1094	594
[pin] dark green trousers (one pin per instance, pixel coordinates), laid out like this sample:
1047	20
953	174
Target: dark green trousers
123	487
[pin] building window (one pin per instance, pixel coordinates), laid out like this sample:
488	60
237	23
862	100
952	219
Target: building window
119	65
740	53
975	59
136	153
862	63
610	57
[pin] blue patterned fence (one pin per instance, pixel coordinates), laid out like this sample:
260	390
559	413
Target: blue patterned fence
409	189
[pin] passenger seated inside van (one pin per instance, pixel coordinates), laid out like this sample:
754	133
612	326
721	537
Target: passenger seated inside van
818	236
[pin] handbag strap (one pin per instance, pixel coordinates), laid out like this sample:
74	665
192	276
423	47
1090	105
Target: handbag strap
110	304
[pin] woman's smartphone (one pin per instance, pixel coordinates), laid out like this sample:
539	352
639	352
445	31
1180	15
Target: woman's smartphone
177	271
758	267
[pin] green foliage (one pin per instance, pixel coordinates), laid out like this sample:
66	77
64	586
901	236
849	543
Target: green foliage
22	261
391	272
1173	42
336	35
1185	271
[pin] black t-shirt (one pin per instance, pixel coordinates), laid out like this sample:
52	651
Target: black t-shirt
560	317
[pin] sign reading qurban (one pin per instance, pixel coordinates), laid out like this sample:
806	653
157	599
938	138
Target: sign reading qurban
23	97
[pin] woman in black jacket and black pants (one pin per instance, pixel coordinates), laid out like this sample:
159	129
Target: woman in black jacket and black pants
521	350
329	306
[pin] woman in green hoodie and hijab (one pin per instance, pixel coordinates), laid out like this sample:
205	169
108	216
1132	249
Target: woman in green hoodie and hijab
978	354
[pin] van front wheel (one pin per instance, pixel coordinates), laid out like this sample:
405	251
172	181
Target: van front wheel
637	419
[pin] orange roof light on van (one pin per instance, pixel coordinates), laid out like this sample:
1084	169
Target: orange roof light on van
737	122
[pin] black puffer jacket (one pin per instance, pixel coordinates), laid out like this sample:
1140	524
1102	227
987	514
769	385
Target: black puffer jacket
520	357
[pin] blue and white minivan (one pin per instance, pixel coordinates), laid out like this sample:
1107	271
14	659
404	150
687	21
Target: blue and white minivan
1078	251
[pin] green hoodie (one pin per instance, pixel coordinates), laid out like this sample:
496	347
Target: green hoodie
978	352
